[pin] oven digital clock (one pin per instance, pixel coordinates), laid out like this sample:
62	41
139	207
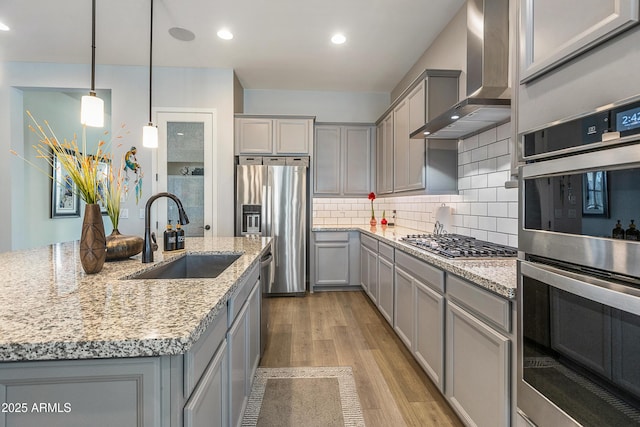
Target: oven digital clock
628	119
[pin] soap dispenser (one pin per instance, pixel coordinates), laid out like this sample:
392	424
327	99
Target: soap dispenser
632	233
618	231
169	238
179	236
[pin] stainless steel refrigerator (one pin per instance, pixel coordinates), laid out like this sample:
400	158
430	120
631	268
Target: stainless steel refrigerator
271	200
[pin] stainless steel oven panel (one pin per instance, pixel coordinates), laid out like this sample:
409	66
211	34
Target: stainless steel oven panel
616	256
530	401
569	151
611	159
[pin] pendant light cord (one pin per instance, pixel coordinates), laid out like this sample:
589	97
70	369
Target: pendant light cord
93	47
150	58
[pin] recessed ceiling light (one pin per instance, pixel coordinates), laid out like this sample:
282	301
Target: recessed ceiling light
181	34
427	132
338	38
3	27
225	34
455	117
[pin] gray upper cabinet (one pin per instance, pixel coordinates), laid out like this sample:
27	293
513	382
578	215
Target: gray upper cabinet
384	155
343	159
548	44
405	164
273	136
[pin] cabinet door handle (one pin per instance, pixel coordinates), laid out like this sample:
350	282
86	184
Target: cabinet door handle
207	227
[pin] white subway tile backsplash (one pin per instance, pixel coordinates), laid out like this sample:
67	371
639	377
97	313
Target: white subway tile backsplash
469	143
479	209
499	148
503	163
498	209
488	136
479	181
513	210
483	208
487	223
507	225
464	157
487	195
503	131
507	194
497	179
487	166
478	154
470	221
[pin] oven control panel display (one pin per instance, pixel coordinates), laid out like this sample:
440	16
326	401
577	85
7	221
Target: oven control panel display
628	119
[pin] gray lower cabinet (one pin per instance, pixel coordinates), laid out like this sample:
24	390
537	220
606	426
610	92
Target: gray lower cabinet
429	332
80	393
369	266
385	281
419	313
403	318
207	406
478	354
335	258
237	338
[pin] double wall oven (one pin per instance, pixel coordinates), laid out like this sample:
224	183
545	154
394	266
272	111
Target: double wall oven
579	270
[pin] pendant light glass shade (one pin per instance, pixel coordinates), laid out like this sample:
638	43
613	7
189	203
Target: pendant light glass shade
150	136
92	107
92	110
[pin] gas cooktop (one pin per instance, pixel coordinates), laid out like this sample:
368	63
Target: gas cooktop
459	246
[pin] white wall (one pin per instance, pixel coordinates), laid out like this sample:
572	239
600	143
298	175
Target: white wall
173	87
348	107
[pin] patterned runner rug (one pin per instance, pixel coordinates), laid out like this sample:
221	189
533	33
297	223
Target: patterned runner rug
323	396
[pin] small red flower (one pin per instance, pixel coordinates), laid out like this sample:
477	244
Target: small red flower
372	196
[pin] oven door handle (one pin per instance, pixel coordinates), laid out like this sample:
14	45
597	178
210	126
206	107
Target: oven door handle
612	294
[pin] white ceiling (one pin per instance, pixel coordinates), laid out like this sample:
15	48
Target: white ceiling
278	44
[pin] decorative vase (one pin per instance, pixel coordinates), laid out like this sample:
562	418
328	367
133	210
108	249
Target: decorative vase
373	222
93	242
120	246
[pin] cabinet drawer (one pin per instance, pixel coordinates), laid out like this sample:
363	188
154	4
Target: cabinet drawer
369	242
241	294
385	251
275	161
427	274
198	356
250	160
491	307
332	236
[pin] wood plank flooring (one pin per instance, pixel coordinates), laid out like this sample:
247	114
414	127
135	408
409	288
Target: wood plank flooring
345	329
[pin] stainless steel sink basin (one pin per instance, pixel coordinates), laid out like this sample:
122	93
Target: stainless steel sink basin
190	266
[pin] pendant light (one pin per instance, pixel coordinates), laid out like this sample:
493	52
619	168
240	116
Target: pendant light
92	107
150	132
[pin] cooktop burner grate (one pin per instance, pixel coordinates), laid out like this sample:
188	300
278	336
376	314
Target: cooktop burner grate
459	246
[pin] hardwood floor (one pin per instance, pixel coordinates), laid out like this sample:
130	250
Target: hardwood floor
345	329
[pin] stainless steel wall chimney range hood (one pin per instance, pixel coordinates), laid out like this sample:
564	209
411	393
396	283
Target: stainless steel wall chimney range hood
488	101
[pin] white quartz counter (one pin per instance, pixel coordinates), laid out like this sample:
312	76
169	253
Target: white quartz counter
495	274
50	309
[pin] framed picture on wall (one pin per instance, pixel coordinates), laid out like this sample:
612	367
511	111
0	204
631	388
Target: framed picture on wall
65	201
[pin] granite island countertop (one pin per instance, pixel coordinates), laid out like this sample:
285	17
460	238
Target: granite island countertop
50	309
497	275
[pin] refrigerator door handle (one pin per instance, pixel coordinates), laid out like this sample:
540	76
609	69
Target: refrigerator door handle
267	202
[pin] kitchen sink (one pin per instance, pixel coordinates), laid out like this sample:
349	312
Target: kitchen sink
190	266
